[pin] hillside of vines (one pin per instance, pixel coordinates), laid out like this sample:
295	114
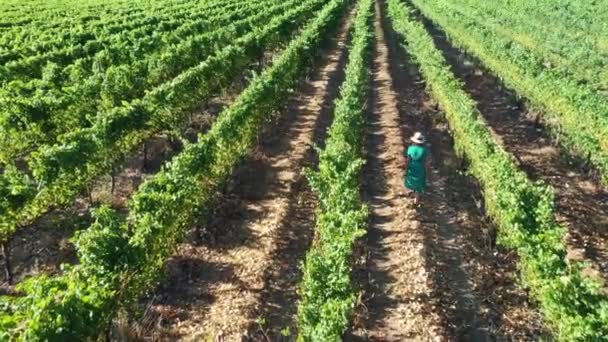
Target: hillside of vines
246	170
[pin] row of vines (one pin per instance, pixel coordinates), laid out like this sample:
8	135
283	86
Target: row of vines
328	294
121	258
572	303
575	111
57	173
79	96
51	100
574	44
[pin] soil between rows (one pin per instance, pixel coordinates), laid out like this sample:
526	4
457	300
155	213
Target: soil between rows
398	302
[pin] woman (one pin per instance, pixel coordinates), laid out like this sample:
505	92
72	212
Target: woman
416	166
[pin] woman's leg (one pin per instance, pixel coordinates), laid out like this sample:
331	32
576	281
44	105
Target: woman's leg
406	192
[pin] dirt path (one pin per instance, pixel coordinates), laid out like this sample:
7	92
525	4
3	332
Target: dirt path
474	279
399	303
241	283
581	203
470	290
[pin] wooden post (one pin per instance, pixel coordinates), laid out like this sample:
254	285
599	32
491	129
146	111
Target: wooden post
6	254
108	334
90	193
172	141
537	120
587	164
145	162
113	180
198	235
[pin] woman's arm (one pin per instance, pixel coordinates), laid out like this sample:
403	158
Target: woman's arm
406	158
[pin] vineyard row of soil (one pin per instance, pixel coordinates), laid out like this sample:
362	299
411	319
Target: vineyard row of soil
234	171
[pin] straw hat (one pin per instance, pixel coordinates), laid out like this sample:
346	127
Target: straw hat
418	138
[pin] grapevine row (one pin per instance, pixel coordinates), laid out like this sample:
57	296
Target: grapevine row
26	127
18	15
327	292
121	259
132	39
524	211
62	171
577	57
575	20
576	112
55	35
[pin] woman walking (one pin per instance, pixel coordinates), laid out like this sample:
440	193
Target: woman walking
416	166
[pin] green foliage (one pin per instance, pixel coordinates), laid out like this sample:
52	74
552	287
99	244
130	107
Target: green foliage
328	295
41	110
575	111
105	244
120	259
574	46
15	190
572	303
63	170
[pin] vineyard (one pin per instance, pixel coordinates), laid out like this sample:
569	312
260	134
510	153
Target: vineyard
233	170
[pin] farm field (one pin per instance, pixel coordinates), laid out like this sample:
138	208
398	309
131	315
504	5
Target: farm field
233	170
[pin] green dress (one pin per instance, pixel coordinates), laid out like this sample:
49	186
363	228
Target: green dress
415	176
